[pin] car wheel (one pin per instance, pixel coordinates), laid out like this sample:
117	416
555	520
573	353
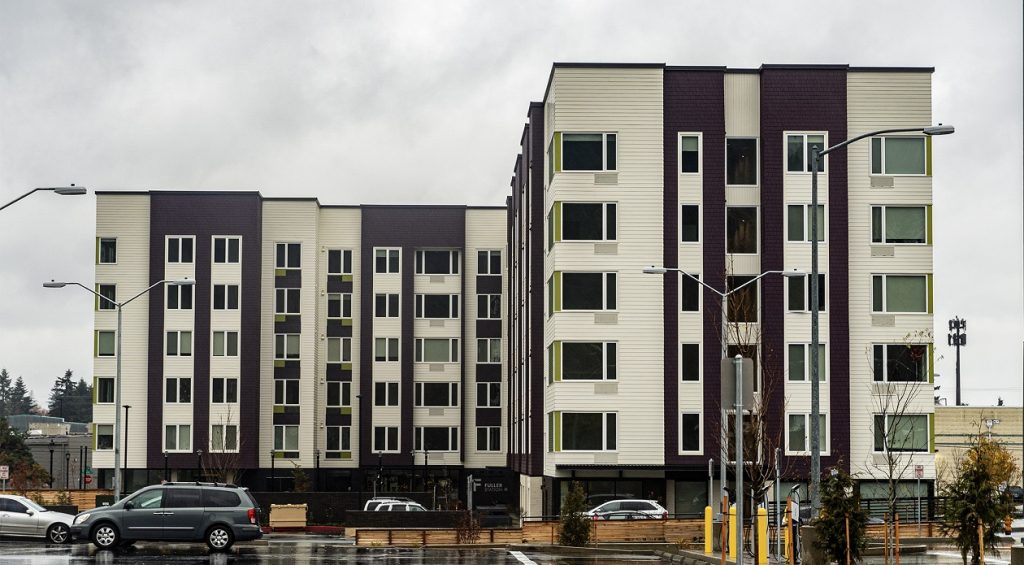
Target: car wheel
219	538
105	536
58	533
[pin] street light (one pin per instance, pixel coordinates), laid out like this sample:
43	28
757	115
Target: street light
117	389
816	155
62	190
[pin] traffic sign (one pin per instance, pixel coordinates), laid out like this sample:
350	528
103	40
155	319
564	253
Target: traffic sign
5	472
919	471
88	479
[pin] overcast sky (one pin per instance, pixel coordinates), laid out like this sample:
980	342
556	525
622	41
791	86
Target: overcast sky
424	102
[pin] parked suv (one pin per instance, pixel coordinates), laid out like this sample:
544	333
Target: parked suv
215	513
372	504
636	508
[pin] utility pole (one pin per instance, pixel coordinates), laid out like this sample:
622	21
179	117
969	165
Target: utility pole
957	338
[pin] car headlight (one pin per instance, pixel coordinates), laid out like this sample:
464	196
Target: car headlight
81	518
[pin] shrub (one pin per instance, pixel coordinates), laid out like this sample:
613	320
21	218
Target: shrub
575	525
839	500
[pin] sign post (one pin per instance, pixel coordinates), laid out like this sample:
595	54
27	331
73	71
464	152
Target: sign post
5	475
919	474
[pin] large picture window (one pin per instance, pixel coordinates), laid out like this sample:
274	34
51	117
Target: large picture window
437	350
741	229
903	432
899	293
589	361
437	306
902	363
436	395
588	291
741	161
589	431
437	262
588	221
436	438
588	152
899	224
904	155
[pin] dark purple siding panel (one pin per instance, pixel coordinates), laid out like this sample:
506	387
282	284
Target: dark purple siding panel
536	299
205	215
808	100
694	101
486	284
487	328
488	416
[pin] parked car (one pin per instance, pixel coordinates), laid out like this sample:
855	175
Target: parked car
399	506
20	516
648	507
373	503
215	513
626	515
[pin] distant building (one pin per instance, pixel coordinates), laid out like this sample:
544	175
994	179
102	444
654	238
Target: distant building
955	426
34	424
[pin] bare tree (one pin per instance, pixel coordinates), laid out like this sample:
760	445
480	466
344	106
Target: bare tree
224	465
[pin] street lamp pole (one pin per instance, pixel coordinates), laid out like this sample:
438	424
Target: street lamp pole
126	408
816	156
117	389
62	190
51	463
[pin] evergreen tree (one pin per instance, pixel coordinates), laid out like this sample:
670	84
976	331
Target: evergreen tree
69	400
25	472
5	393
575	527
62	388
21	401
83	402
839	501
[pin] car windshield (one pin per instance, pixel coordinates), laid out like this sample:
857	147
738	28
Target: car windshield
31	504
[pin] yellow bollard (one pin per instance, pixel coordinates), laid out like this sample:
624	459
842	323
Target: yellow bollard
789	529
732	532
708	530
762	536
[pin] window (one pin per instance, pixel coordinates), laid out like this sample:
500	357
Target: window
800	362
902	363
588	431
339	393
286	438
385	394
287	300
905	432
104	436
180	249
179	297
488	395
488	350
488	306
898	155
178	437
385	438
288	256
225	344
226	249
488	262
286	346
689	223
339	262
179	344
385	306
689	153
741	161
899	293
589	361
689	361
225	296
105	343
588	291
741	229
689	435
106	250
339	305
386	261
899	224
689	292
220	499
223	437
224	390
177	390
743	302
799	295
339	438
444	262
437	350
436	439
488	438
286	392
588	222
385	349
339	350
588	151
798	151
437	395
799	222
798	434
104	390
437	306
109	294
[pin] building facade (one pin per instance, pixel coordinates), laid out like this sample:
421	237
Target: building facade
362	344
956	427
615	374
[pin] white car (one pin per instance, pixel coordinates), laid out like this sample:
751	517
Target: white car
401	507
373	503
615	509
19	516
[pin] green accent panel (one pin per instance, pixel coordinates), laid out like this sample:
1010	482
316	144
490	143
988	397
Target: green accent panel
928	225
280	318
346	410
931	295
96	344
346	366
94	387
97	251
931	432
278	455
558	431
346	278
279	272
279	410
346	321
556	280
95	433
346	455
558	151
931	363
928	156
556	353
557	209
278	363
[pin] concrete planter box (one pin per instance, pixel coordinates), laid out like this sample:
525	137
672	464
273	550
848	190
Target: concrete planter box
285	516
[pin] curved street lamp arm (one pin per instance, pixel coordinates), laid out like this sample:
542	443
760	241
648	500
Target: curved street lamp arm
753	280
34	190
151	287
824	152
98	295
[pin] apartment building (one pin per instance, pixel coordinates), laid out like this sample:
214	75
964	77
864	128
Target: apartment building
362	344
615	374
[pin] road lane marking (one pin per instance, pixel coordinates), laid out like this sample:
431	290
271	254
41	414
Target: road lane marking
522	558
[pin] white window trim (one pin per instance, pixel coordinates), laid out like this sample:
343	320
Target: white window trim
341	440
387	394
286	358
98	434
604	222
453	346
169	288
113	383
700	366
342	385
177	390
700	294
352	257
604	432
700	152
807	293
604	291
454	262
604	361
341	350
481	298
807	152
871	164
418	393
604	151
167	249
481	400
487	434
398	348
725	163
286	244
825	449
700	224
421	306
192	344
284	438
885	208
885	363
99	255
96	336
489	252
284	392
227	304
885	290
281	309
700	434
387	260
383	448
224	437
213	244
806	237
927	429
177	437
489	341
756	207
104	305
418	438
224	385
806	380
238	342
387	305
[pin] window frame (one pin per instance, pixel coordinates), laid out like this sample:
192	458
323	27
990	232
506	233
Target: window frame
178	292
343	252
700	362
180	239
684	279
453	349
342	356
226	343
700	433
886	448
806	151
227	239
386	448
419	394
344	305
882	171
392	301
823	377
224	438
604	222
392	394
387	349
387	251
281	432
344	439
178	383
757	153
485	433
926	359
286	356
100	429
107	303
604	291
825	449
178	340
99	352
485	400
700	152
98	388
454	262
757	229
605	366
225	289
223	386
700	223
420	310
177	438
885	292
488	300
283	389
344	394
806	224
604	151
489	358
484	267
99	250
282	302
883	219
604	432
453	439
287	255
823	293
